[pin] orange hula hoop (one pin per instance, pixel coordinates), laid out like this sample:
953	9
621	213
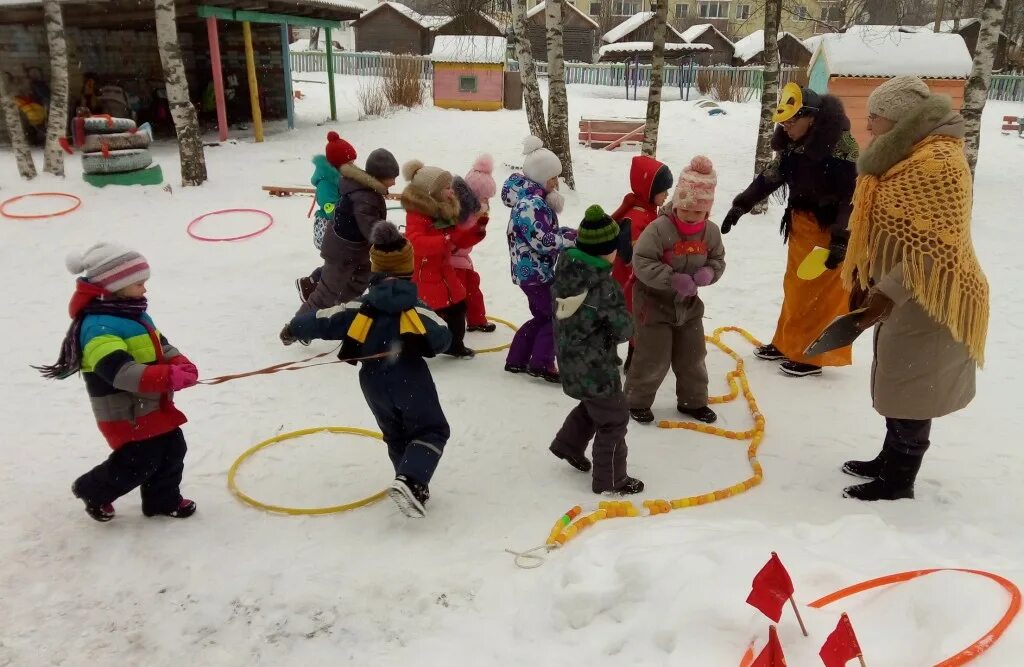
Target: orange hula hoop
14	216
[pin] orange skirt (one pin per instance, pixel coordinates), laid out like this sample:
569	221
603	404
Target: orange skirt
808	306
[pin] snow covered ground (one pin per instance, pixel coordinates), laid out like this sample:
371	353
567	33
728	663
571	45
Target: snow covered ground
236	586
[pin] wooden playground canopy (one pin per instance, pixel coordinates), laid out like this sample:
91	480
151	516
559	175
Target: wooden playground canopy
139	14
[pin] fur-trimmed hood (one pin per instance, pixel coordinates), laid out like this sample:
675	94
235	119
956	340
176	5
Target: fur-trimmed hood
359	179
445	211
934	116
824	136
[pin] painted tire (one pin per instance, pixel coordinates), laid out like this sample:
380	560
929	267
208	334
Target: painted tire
104	125
115	142
118	162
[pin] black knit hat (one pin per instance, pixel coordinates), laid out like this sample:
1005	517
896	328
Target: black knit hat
598	233
382	165
663	181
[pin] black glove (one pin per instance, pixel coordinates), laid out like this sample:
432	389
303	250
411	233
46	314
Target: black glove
836	255
731	218
625	241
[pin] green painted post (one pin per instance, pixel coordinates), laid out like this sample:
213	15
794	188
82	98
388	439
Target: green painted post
330	75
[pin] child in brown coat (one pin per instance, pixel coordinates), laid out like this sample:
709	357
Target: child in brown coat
678	253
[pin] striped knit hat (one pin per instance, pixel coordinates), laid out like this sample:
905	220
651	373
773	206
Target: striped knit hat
695	190
109	266
598	234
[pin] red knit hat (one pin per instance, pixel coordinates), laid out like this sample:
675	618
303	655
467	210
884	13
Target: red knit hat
338	150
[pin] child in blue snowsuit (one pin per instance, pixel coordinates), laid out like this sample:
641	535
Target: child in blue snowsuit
389	331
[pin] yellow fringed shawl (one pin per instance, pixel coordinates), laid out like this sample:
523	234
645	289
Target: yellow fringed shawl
918	213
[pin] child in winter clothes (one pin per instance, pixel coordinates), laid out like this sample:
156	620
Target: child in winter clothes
325	178
678	253
431	225
591	320
474	193
346	249
535	241
130	372
389	331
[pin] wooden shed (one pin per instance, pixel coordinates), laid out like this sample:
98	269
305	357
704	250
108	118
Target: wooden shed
392	27
750	50
580	35
706	33
970	30
851	65
640	28
469	72
477	23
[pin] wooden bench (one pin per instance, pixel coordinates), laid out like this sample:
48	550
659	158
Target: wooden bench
610	133
1012	124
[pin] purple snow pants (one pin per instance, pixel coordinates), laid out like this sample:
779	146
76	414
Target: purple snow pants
534	343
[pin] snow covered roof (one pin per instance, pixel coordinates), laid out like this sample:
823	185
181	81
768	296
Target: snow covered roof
647	47
627	26
428	22
469	49
695	32
539	7
947	26
813	42
753	44
894	53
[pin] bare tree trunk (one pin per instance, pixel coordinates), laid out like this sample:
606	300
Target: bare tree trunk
528	71
976	92
314	38
650	146
558	100
186	124
770	92
57	123
940	12
19	143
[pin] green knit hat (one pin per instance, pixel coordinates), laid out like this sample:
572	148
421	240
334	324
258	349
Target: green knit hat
598	234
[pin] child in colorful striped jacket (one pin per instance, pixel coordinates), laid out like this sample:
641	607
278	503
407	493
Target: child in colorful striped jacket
130	372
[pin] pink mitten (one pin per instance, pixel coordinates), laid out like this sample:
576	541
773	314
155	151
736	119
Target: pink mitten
704	276
182	377
684	284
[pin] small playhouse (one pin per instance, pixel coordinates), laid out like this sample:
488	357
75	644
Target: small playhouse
851	65
469	72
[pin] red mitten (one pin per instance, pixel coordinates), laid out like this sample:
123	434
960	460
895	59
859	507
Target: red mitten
182	377
464	238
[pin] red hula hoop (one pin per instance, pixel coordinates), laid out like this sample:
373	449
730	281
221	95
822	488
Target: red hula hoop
270	221
14	216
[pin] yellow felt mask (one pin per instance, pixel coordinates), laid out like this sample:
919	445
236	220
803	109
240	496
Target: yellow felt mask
791	100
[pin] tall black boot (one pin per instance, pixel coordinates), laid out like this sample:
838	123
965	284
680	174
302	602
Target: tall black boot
896	481
866	469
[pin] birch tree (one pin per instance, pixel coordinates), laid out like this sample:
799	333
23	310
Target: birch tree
976	92
186	124
770	91
57	123
650	146
558	100
19	143
528	71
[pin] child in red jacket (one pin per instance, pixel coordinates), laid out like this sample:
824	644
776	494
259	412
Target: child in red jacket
474	193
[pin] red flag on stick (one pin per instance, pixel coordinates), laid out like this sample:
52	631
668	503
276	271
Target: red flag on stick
841	646
772	655
771	588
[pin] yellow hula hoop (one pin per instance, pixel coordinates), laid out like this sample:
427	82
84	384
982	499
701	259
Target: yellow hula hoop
499	348
295	511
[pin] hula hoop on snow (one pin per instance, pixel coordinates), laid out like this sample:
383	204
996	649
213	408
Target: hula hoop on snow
210	239
15	216
499	348
297	511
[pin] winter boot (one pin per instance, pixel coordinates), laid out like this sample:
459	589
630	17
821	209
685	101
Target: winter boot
629	359
514	369
184	510
581	463
629	486
896	481
488	327
794	369
548	375
705	414
102	513
865	469
410	496
461	353
641	415
305	286
769	353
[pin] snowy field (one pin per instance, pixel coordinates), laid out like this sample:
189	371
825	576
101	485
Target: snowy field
236	586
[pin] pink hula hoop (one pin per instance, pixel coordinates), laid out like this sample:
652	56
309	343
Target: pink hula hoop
270	222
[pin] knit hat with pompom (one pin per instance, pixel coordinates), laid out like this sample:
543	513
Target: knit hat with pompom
695	190
598	234
338	151
109	266
390	252
432	180
540	164
479	178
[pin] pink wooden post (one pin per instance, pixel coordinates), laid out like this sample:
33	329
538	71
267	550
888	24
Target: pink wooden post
218	77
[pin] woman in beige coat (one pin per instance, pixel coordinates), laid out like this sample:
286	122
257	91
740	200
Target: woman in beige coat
910	247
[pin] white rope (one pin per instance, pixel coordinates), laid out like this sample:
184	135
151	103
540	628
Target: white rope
528	560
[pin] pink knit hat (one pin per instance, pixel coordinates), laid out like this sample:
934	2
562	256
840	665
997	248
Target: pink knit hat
695	190
479	178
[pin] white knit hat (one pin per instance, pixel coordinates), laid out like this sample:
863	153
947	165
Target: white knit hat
109	266
540	165
897	97
695	190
